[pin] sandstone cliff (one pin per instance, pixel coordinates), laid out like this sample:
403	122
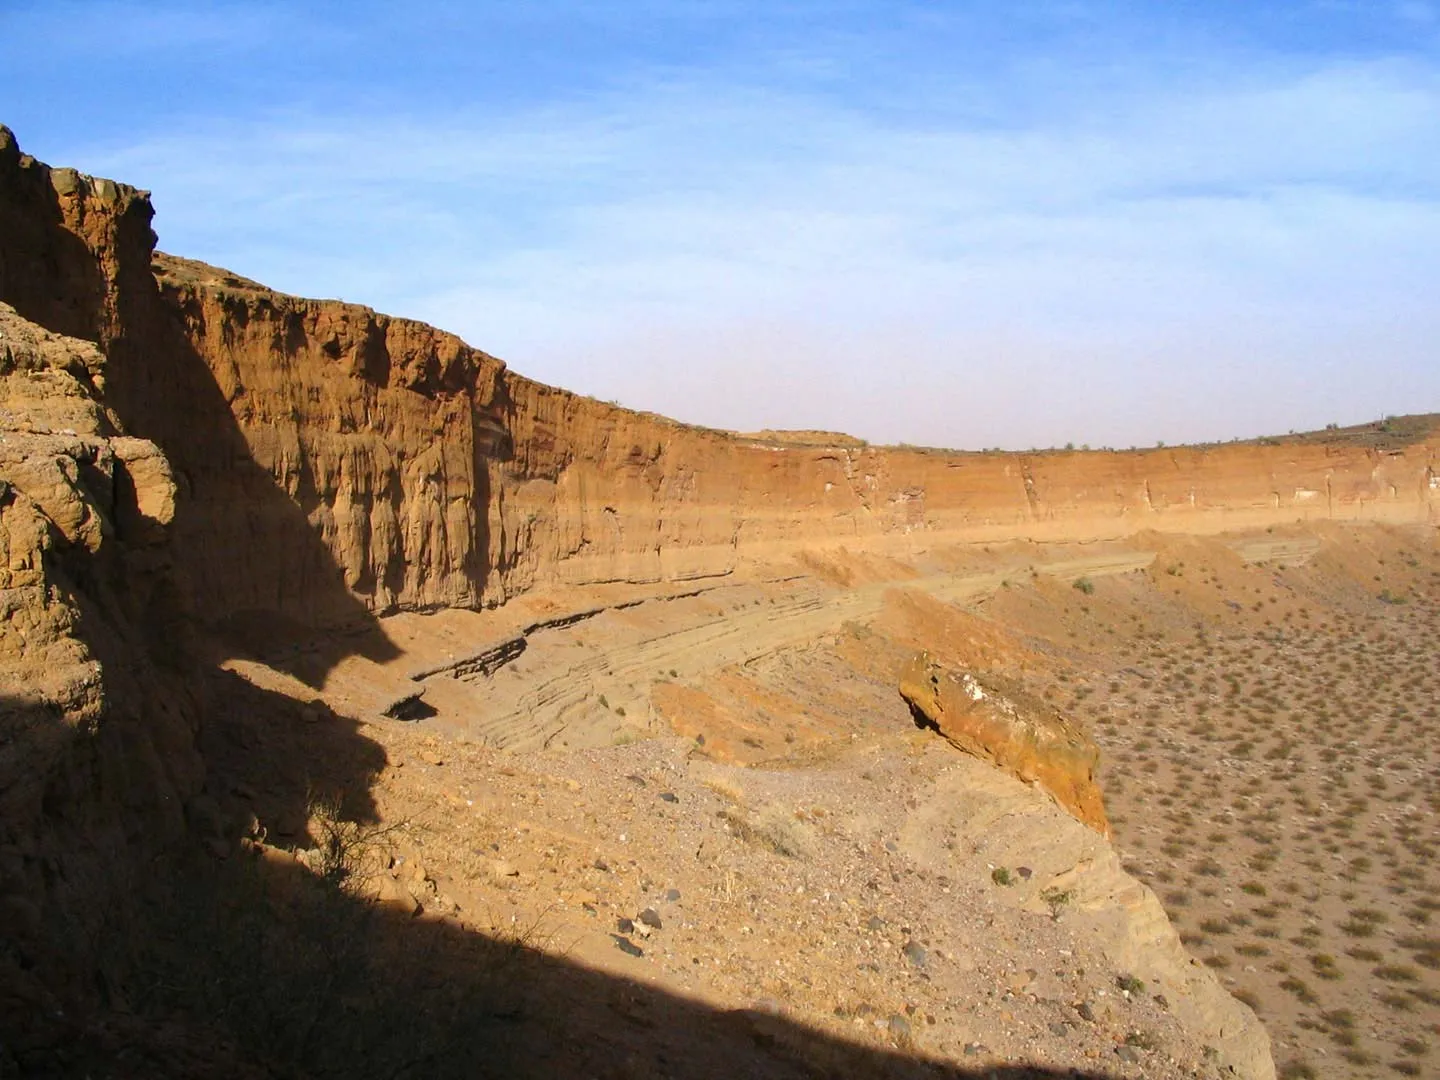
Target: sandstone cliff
340	460
436	476
332	452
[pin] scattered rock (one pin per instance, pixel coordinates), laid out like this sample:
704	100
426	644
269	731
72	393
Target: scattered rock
651	918
393	895
628	947
669	796
916	954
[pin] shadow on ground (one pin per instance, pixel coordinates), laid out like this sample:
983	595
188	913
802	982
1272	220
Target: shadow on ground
140	943
250	964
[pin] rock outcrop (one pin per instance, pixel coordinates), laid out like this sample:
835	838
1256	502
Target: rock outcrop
986	717
1075	875
97	710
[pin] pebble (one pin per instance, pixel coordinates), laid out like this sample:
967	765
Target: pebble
650	917
672	895
625	926
669	796
628	947
1127	1053
899	1027
1020	980
916	954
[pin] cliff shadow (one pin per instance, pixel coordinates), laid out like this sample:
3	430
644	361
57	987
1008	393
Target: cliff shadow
245	552
240	961
248	555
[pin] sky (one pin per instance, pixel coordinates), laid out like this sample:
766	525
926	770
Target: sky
964	224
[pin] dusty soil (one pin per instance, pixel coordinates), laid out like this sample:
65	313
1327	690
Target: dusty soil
736	762
1271	733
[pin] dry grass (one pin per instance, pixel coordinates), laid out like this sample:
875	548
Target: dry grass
1272	741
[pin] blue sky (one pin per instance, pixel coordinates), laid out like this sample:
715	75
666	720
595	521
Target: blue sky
962	224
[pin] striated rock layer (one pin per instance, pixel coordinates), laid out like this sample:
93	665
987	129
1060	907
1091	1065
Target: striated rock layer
435	476
337	460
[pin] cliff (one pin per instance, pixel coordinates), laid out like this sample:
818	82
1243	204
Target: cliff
435	476
339	460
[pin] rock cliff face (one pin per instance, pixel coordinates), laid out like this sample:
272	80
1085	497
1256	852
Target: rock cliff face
435	476
337	460
97	710
88	583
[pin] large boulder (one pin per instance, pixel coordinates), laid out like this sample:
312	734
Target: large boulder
992	718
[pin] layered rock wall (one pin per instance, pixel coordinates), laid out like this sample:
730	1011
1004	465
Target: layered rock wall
333	461
436	476
94	694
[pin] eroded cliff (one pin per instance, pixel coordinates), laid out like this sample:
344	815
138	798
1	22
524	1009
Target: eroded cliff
338	460
436	476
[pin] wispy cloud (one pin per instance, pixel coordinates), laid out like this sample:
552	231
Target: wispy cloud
1229	247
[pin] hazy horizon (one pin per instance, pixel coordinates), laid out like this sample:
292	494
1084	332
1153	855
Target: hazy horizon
957	225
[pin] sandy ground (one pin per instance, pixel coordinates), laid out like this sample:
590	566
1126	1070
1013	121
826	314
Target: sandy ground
732	761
